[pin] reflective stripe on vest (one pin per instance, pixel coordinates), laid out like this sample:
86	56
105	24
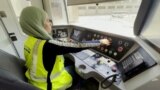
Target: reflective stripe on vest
33	70
34	62
37	75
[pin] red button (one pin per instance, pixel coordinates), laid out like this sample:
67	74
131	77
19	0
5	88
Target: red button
114	69
120	49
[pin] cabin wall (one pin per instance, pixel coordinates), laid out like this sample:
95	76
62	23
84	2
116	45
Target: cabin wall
5	43
12	25
151	28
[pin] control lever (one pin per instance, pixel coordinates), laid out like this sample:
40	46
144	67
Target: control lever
104	86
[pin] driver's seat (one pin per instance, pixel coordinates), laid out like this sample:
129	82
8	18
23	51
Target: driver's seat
12	73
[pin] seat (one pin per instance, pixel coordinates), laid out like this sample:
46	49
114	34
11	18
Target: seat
12	73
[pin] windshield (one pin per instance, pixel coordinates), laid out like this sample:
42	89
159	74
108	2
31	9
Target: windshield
115	17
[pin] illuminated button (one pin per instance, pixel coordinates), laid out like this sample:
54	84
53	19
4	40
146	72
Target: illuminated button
120	49
115	53
110	52
106	50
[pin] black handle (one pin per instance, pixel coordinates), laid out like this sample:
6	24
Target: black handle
12	36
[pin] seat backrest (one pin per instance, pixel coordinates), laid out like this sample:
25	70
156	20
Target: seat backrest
12	73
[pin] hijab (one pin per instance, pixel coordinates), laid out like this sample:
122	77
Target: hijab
32	23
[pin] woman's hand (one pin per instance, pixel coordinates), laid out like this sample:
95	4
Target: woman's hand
105	42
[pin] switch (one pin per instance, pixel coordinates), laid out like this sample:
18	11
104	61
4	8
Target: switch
126	44
115	53
82	66
120	49
120	42
114	69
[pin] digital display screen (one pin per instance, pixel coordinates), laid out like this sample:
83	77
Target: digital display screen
61	33
76	35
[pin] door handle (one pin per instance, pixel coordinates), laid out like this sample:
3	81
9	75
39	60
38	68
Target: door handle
12	36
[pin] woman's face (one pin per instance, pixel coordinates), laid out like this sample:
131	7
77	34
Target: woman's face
48	25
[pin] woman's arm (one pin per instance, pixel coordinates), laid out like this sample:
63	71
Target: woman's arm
75	45
59	50
59	47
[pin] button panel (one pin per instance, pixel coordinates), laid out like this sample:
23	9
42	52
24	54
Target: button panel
103	65
118	48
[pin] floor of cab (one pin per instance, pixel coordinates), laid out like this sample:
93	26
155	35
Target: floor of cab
89	84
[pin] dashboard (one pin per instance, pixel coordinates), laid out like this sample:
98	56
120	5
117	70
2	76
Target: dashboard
118	48
124	58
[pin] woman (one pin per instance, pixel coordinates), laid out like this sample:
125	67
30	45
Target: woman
43	54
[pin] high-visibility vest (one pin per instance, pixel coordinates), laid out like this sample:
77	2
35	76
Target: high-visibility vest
36	73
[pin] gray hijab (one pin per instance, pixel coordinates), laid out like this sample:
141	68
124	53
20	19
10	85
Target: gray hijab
32	22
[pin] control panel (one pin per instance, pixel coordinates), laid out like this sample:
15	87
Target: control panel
103	65
118	48
98	65
135	63
105	61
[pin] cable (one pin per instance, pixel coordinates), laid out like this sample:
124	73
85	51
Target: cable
106	79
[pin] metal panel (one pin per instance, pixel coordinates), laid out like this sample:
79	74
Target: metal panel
78	2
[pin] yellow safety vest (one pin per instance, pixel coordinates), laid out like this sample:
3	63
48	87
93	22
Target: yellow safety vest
36	73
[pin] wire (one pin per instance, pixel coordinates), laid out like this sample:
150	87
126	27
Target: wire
104	86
